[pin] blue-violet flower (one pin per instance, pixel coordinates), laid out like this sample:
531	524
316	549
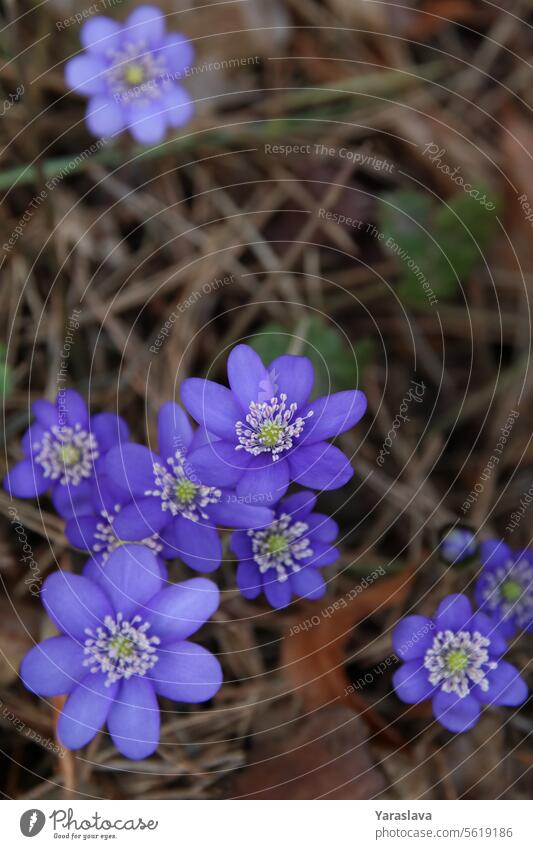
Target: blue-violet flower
130	74
284	558
266	433
167	495
124	640
504	589
63	448
456	661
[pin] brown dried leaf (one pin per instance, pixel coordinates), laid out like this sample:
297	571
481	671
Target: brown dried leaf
327	757
313	659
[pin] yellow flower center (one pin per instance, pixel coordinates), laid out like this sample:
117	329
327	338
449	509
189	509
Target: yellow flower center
133	74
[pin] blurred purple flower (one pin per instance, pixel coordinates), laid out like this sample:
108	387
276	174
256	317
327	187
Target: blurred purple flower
284	558
124	640
130	74
456	661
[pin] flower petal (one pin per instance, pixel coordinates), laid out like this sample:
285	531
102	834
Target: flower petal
212	406
267	480
134	720
320	466
146	121
249	580
178	53
454	713
74	603
181	609
131	467
241	545
232	512
413	636
86	710
332	415
178	106
109	430
219	464
411	682
72	408
54	667
308	583
322	528
81	531
197	544
85	74
323	554
70	501
495	553
174	430
246	375
278	593
506	686
130	578
104	117
140	519
26	480
146	23
454	612
492	629
186	672
31	441
45	412
299	505
100	34
294	376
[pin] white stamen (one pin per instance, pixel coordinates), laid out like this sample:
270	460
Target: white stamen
270	426
108	541
281	546
120	649
179	494
457	660
521	608
67	454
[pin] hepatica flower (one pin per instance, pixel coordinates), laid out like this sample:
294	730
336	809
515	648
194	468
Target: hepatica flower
504	589
63	448
456	661
266	433
458	544
284	558
130	74
168	495
100	529
124	641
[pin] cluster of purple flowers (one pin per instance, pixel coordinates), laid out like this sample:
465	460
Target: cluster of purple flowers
124	636
456	658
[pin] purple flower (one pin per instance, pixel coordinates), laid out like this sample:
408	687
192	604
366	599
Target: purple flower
456	661
504	590
63	448
124	640
168	496
266	433
284	558
129	73
96	526
458	543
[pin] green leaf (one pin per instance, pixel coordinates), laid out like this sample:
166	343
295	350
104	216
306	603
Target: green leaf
6	379
434	264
